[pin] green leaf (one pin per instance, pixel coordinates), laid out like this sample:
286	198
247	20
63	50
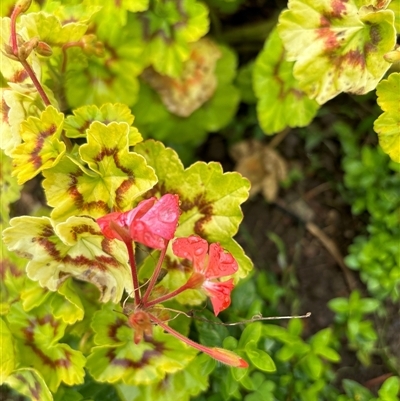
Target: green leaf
251	333
395	7
29	382
117	176
390	389
281	102
76	126
39	333
387	125
144	363
66	303
41	148
113	76
337	46
9	187
49	29
182	385
210	332
167	45
259	358
312	365
356	391
7	357
16	105
74	248
68	12
339	305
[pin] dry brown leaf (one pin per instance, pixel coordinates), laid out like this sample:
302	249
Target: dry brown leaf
183	95
261	165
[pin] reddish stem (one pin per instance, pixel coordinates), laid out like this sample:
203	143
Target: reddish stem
135	280
65	47
36	82
179	335
14	43
155	275
219	354
168	296
13	35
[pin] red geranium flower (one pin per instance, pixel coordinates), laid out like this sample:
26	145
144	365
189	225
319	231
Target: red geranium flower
152	222
208	268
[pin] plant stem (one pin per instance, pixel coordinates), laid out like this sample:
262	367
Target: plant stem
168	296
219	354
13	27
155	274
135	280
180	336
25	64
36	82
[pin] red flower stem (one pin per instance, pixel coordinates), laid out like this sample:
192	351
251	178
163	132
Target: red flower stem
219	354
13	27
25	64
155	275
168	296
36	82
135	280
180	336
65	47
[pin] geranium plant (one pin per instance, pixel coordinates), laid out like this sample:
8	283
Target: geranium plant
81	83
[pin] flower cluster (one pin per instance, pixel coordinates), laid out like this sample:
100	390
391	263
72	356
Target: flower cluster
153	222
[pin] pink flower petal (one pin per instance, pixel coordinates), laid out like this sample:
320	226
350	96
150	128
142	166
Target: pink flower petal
108	222
220	294
153	221
220	263
192	248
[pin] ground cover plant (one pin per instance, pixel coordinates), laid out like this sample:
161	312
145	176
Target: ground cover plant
133	266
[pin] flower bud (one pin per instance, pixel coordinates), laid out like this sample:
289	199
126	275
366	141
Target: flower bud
92	46
393	56
26	48
23	5
44	49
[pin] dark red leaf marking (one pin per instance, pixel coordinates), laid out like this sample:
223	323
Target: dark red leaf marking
121	191
35	391
354	58
146	357
78	199
183	265
100	262
4	111
113	329
329	38
204	207
30	330
19	76
7	266
83	228
338	8
34	156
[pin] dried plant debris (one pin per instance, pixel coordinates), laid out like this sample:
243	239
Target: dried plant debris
262	165
183	95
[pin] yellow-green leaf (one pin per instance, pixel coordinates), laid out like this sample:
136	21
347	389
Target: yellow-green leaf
337	46
281	102
388	124
41	148
30	383
7	357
